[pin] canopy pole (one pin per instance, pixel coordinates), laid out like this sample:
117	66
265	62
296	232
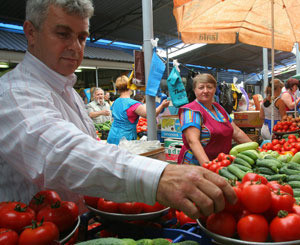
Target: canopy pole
96	77
148	35
265	67
273	57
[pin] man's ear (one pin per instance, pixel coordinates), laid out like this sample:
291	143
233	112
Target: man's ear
30	32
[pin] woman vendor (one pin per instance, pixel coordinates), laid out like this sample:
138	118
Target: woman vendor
207	129
289	96
126	112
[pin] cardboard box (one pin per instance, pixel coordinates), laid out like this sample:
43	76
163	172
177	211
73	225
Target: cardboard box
172	149
247	119
170	127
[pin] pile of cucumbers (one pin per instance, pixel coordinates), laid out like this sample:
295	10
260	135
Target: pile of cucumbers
249	160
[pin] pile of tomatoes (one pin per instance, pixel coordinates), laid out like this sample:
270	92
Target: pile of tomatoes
292	145
286	126
123	208
223	160
264	209
40	222
141	125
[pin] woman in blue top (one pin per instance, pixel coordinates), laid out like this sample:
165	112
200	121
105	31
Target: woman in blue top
126	113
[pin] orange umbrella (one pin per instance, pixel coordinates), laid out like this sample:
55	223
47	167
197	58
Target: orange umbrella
266	23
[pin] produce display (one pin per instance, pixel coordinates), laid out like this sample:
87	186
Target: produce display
287	124
141	125
267	183
42	221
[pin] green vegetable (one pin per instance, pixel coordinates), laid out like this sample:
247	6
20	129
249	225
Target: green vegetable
264	170
243	147
287	171
187	243
144	242
285	158
293	165
296	192
268	163
295	177
242	167
296	157
246	158
103	241
160	241
224	172
236	171
277	177
241	161
294	184
251	153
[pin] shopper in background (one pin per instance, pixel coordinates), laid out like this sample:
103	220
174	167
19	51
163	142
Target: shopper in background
99	109
83	96
207	129
265	113
48	140
107	98
289	96
140	98
126	113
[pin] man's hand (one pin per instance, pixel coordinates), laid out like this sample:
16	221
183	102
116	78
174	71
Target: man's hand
193	190
106	113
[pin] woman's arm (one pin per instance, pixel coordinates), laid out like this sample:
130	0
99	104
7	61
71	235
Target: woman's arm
192	135
287	99
141	110
261	114
239	135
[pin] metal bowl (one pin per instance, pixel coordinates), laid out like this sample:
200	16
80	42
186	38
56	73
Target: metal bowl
222	240
65	237
129	217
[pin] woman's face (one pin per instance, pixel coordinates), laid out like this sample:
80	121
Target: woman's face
294	88
205	92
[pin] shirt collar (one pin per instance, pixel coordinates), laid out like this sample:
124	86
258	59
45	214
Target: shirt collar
54	79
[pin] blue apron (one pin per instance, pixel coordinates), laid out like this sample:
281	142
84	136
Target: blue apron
121	126
268	122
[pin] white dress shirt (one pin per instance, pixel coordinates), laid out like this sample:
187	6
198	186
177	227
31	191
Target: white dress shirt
47	140
94	106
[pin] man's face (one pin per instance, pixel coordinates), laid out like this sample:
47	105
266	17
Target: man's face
60	41
106	96
99	96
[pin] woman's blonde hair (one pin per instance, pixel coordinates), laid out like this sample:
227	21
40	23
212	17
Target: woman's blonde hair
121	83
277	84
204	78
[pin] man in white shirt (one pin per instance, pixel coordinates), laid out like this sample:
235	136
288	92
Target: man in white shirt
48	140
99	109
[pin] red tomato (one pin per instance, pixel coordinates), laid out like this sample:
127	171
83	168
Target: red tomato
42	199
296	208
221	156
287	146
16	216
256	197
297	146
107	206
282	141
294	150
218	169
268	146
183	218
43	233
152	208
225	163
8	237
275	141
205	165
62	214
131	207
237	207
229	157
222	223
254	177
292	136
275	185
91	201
277	147
253	227
285	227
214	166
281	201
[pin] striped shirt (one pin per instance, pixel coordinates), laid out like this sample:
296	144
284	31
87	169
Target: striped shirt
48	141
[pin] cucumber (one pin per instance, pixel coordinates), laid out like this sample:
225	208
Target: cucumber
295	177
243	147
241	161
250	153
277	177
279	163
244	168
294	184
272	160
293	165
268	163
296	192
225	173
264	170
246	158
236	171
287	171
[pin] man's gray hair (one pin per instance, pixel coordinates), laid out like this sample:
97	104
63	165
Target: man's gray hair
96	90
37	10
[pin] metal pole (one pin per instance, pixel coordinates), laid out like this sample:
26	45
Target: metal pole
273	56
148	35
266	70
297	58
96	77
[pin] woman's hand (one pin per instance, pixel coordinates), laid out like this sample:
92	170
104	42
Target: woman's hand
165	103
194	190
